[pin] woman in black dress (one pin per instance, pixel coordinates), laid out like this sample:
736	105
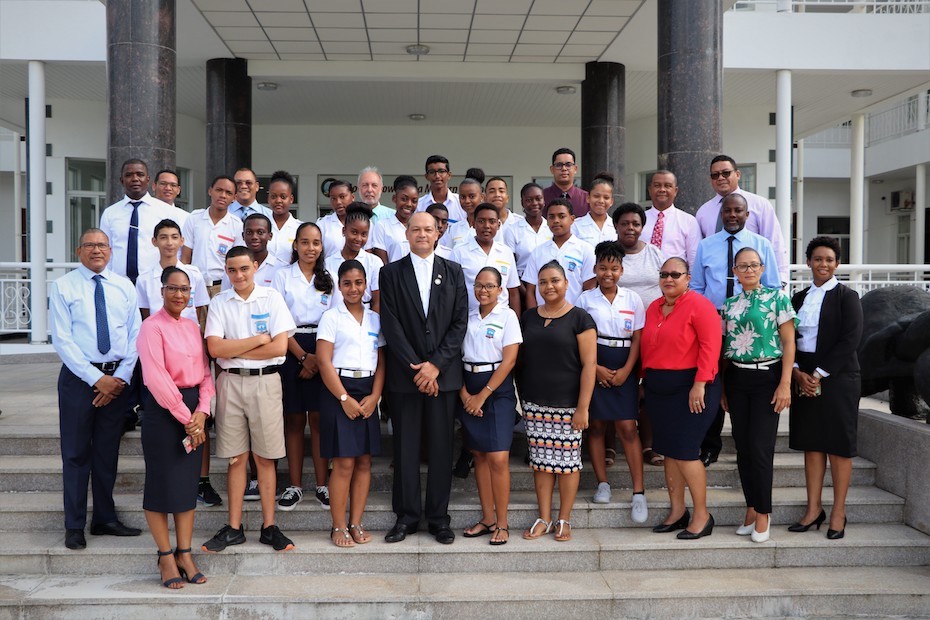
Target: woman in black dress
556	380
824	415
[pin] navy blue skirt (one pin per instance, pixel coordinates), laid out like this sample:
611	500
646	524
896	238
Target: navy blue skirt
620	402
300	395
171	474
676	432
341	437
493	431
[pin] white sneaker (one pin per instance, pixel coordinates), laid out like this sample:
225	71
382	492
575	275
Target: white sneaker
251	492
640	510
602	495
290	498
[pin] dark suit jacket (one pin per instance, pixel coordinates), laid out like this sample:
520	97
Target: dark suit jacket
413	338
839	332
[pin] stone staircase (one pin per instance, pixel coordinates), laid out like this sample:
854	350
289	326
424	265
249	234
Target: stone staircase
612	568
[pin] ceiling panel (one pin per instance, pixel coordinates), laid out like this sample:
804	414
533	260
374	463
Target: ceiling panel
284	20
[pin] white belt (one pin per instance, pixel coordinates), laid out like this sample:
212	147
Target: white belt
354	374
469	367
756	365
617	343
306	329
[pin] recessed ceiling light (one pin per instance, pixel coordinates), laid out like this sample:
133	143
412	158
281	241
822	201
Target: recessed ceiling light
267	86
417	117
418	49
862	92
566	90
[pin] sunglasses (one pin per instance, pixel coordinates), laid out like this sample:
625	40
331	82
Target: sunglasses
674	275
722	173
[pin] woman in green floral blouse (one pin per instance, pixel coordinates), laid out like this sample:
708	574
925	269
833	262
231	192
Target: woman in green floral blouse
759	348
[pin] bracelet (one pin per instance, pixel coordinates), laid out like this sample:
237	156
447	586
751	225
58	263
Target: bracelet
303	357
488	388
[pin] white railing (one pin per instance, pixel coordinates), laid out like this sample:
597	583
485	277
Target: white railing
904	118
898	7
15	295
831	138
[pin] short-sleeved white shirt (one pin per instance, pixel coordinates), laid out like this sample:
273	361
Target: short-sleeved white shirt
305	302
486	337
355	345
522	240
234	318
452	203
148	288
585	228
457	234
264	275
386	231
617	319
281	243
575	256
442	252
472	259
369	261
333	239
209	242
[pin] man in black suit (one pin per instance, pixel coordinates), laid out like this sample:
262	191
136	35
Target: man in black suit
424	314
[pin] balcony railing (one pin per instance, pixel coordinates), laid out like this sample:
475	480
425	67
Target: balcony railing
898	7
904	118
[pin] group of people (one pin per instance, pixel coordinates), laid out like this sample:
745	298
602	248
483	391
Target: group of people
643	325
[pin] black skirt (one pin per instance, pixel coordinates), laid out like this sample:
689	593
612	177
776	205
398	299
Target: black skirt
300	395
493	431
620	402
829	422
341	437
676	432
171	474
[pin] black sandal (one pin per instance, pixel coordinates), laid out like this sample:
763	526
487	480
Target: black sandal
497	543
487	530
167	582
197	579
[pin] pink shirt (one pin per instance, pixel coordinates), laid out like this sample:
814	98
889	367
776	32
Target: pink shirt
172	356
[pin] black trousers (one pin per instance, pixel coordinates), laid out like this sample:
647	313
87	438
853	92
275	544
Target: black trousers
412	415
755	427
90	439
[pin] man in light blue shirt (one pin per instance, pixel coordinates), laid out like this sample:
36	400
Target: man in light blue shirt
94	324
712	273
246	190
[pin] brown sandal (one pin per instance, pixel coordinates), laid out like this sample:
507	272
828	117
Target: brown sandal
359	535
652	457
341	538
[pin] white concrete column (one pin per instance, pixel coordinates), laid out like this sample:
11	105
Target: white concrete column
856	189
37	204
783	154
799	206
920	213
17	196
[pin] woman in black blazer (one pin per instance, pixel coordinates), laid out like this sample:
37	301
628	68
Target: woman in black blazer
827	382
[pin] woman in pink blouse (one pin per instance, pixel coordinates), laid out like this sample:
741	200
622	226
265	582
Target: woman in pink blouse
176	400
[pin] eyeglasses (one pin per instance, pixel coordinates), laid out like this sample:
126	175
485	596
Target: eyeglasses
436	171
95	246
485	287
674	275
246	183
721	173
564	165
744	267
167	184
171	289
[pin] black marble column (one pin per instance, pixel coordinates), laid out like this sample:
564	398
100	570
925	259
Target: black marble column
141	63
690	97
603	106
229	116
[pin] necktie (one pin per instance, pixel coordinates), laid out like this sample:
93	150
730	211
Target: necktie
730	276
565	196
100	308
132	247
719	216
658	230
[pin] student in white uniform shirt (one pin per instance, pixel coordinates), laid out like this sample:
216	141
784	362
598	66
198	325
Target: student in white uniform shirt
438	173
496	193
168	240
340	197
489	401
357	225
389	238
574	255
470	196
210	233
280	198
619	315
256	232
596	226
351	358
530	231
307	289
441	214
166	187
483	251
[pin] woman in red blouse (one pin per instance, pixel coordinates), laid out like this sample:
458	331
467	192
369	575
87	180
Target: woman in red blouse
680	346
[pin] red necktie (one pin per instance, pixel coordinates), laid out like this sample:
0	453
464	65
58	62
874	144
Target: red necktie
658	230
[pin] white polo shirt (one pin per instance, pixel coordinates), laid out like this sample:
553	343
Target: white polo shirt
148	288
472	259
209	242
355	345
281	243
617	319
586	229
522	240
305	302
453	206
386	232
234	318
486	337
575	256
369	261
457	234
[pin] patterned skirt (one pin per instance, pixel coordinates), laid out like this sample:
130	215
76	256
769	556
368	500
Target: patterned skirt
555	447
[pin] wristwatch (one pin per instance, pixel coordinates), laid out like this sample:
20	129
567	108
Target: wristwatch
344	398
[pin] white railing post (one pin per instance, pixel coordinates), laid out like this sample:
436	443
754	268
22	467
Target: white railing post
37	204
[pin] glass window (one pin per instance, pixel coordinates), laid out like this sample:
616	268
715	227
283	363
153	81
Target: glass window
86	195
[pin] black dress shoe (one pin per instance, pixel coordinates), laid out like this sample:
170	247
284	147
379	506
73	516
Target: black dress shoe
113	529
680	524
443	534
74	539
837	534
708	457
800	527
399	532
707	531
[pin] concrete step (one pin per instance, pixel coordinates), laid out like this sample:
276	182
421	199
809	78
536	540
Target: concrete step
712	593
590	550
867	504
43	473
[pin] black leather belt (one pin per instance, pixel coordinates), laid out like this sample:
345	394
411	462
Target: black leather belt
107	368
253	372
